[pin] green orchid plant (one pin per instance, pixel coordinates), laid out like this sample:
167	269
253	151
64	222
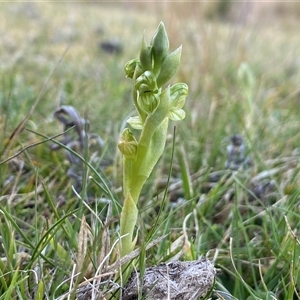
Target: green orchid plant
155	105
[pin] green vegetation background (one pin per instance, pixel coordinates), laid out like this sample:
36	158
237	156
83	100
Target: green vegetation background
242	64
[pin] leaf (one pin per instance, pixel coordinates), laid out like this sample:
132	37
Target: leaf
128	221
13	284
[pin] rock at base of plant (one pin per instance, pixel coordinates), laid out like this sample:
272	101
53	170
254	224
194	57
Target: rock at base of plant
180	280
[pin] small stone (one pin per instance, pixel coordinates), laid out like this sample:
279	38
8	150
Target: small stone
179	280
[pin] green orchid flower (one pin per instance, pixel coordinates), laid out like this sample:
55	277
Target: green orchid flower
155	107
179	92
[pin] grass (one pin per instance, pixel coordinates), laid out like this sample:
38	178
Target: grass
49	232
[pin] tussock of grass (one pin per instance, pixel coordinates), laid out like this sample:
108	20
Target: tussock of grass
243	79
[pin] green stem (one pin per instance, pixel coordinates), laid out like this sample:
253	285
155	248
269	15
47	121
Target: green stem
148	155
136	173
127	174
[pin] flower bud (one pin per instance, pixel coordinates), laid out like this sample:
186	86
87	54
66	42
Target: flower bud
160	46
128	144
131	67
169	67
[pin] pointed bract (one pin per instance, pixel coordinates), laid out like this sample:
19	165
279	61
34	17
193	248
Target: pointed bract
169	67
146	55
